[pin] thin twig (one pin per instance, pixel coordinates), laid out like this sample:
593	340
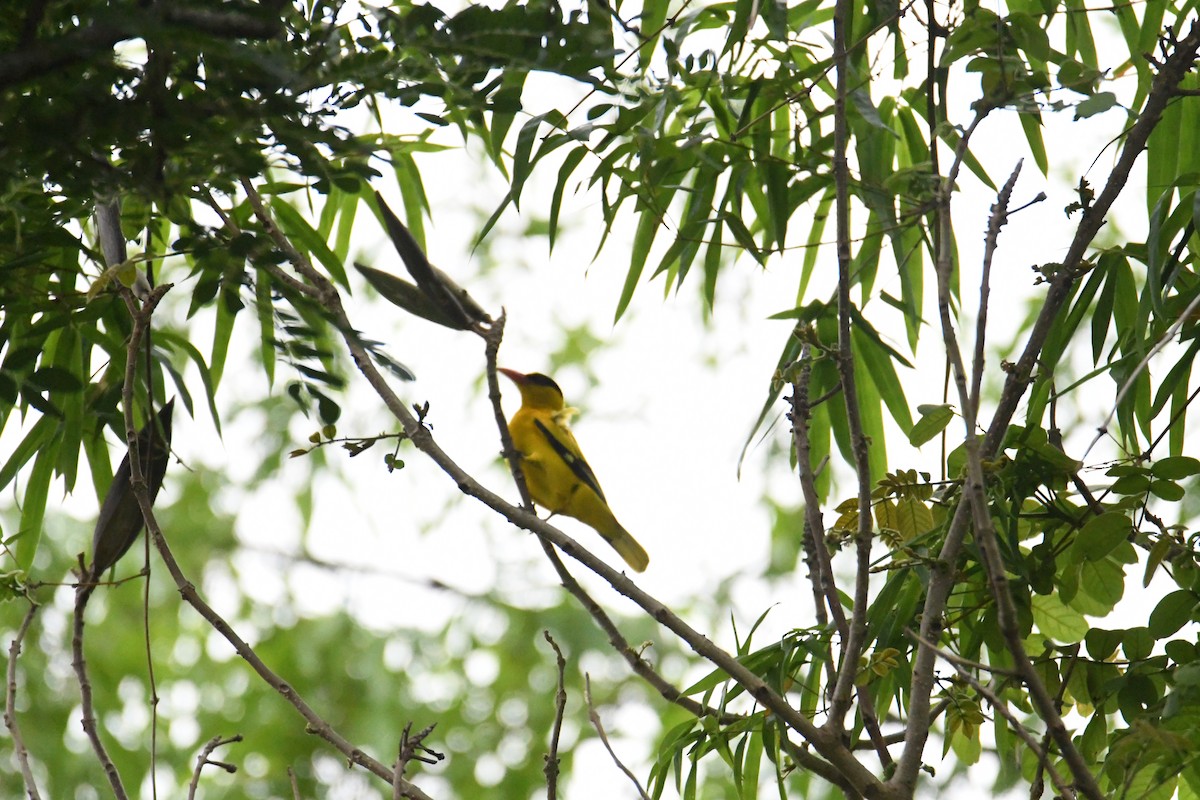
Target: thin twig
316	723
202	760
975	497
855	639
594	716
412	748
996	221
291	773
10	705
560	706
804	758
825	593
1037	783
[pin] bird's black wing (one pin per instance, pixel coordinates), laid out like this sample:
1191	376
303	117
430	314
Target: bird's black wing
572	459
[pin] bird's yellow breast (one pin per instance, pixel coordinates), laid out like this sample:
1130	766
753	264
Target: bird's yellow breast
551	482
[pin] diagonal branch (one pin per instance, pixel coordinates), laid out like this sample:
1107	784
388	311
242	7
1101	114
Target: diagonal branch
826	742
1163	88
316	724
975	497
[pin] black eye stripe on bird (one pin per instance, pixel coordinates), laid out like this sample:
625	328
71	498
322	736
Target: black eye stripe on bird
556	473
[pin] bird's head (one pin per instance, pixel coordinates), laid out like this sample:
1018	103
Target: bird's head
537	390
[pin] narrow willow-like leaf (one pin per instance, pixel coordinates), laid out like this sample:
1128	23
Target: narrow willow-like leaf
1079	34
95	447
870	411
813	242
882	373
347	212
564	175
493	219
69	357
412	194
188	349
303	234
522	161
222	335
648	225
712	263
35	441
776	179
33	504
1032	125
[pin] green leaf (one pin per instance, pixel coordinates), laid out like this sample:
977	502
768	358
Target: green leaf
1096	104
1100	536
1137	643
39	435
306	237
934	419
412	195
564	173
878	360
642	240
1172	613
1175	467
55	379
1167	490
1101	643
33	505
1101	586
1060	623
1032	125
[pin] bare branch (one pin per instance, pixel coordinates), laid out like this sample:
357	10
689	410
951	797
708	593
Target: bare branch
82	44
87	712
820	569
316	723
202	761
594	716
975	498
10	705
560	705
996	221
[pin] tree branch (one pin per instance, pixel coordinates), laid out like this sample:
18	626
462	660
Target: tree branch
187	590
826	742
1164	86
594	716
202	761
82	44
10	705
560	705
975	496
855	639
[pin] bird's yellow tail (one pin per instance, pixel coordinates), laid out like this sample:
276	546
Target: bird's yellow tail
626	546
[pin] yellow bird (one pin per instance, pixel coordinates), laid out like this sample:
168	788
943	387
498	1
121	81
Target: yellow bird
558	477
